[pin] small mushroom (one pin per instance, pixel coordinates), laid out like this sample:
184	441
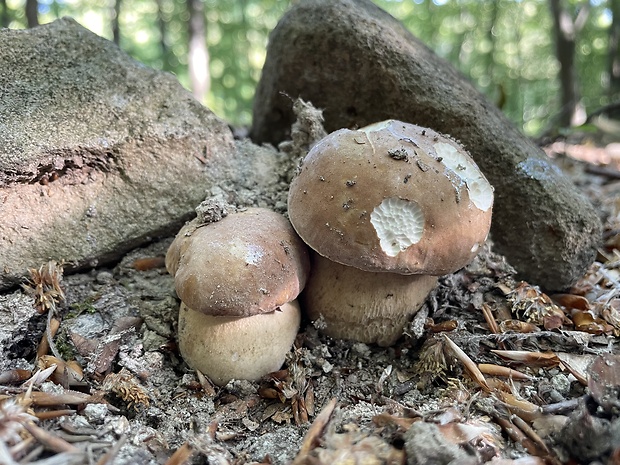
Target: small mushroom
238	279
389	198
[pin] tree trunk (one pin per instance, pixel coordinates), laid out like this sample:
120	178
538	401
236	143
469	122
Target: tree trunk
116	29
614	52
198	55
5	19
32	13
489	57
565	30
163	45
456	56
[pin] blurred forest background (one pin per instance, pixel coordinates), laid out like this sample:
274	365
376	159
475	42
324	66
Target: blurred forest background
545	63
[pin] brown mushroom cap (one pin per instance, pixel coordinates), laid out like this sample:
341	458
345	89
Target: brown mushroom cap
361	305
247	263
391	197
225	348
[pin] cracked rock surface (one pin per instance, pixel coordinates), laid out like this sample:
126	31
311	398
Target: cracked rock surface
99	154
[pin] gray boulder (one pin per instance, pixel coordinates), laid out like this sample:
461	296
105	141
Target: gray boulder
99	153
361	66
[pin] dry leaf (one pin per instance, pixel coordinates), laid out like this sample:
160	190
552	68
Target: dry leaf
604	381
520	407
518	326
462	433
572	301
533	359
586	322
148	263
497	370
490	319
443	327
14	376
578	365
44	345
315	432
468	363
385	419
45	399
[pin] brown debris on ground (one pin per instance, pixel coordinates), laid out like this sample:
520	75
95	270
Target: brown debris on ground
491	370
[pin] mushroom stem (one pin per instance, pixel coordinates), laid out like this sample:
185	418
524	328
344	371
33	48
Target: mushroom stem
225	348
361	305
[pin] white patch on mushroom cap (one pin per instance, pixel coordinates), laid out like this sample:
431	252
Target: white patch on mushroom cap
376	126
253	255
480	191
398	224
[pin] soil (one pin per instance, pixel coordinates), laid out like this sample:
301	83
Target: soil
422	400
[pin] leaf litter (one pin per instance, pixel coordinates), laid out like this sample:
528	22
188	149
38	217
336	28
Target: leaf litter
491	370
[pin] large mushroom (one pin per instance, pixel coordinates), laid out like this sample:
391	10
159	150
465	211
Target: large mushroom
238	279
399	202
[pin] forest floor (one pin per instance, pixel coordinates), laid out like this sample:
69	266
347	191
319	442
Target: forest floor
491	369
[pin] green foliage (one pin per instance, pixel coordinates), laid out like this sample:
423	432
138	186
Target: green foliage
237	38
79	308
505	47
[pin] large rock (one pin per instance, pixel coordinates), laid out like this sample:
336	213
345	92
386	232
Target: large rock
99	153
361	66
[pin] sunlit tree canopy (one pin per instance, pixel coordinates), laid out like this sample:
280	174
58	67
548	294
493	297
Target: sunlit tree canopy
506	47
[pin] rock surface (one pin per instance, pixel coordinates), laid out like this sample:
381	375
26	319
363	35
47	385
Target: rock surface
361	66
99	153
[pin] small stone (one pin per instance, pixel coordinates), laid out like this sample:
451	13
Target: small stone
242	387
360	348
95	413
281	445
152	340
52	388
425	444
104	277
87	325
120	425
188	379
561	384
80	421
325	365
250	424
